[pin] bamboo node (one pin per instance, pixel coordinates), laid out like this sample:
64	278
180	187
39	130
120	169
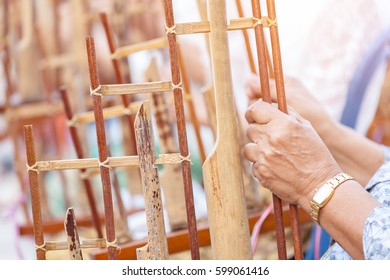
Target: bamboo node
33	167
187	158
171	29
40	247
105	163
97	91
113	243
72	122
178	86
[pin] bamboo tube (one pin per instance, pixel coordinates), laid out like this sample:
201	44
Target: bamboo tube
264	84
282	105
157	248
34	192
72	235
246	39
171	178
125	98
123	161
222	170
125	51
80	154
181	126
103	157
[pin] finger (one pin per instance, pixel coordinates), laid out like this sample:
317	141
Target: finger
251	152
255	132
262	113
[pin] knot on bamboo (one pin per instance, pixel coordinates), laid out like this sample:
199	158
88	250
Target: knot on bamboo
170	30
105	163
40	247
72	122
114	244
265	21
33	167
97	91
187	158
177	86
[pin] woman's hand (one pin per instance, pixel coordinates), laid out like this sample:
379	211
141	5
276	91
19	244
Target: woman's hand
289	158
298	97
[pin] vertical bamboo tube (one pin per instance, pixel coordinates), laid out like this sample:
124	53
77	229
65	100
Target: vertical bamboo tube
181	126
265	89
282	105
102	149
34	192
227	214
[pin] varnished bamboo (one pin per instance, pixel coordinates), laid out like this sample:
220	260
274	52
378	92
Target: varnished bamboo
156	248
222	170
182	133
101	138
34	192
265	89
282	105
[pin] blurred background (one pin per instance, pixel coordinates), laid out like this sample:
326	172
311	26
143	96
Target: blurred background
339	49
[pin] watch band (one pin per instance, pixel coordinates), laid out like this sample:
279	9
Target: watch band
321	197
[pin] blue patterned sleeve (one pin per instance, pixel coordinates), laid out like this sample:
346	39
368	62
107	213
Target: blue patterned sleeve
376	234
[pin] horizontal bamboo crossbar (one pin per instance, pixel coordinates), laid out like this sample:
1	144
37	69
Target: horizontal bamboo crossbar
57	61
234	24
143	46
33	110
124	161
185	29
110	112
120	89
85	244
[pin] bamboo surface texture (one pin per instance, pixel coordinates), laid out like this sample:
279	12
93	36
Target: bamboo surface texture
222	170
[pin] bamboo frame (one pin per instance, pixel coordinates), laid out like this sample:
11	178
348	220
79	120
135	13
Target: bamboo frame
178	241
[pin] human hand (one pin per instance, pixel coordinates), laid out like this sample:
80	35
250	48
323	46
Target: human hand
298	97
289	158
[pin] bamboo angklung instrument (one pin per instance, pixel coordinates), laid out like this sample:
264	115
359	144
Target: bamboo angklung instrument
282	105
80	154
156	248
181	126
227	214
102	149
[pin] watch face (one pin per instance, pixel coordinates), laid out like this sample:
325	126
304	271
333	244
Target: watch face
323	194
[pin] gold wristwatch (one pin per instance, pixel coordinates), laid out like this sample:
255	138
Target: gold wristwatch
324	193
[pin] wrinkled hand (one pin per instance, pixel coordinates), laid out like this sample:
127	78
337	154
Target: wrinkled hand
298	97
289	158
